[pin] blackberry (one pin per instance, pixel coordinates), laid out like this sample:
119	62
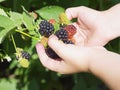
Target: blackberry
25	55
46	28
67	41
51	53
62	34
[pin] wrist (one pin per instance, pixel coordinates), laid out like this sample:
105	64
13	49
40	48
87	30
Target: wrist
112	22
96	55
105	65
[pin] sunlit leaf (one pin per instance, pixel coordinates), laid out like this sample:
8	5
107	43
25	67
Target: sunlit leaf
6	25
16	17
28	20
50	12
2	12
2	0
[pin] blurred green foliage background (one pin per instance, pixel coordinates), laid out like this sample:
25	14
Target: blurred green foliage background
36	77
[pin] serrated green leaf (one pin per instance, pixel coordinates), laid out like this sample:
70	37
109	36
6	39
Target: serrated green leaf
50	12
28	20
16	17
2	12
8	84
6	22
6	25
3	34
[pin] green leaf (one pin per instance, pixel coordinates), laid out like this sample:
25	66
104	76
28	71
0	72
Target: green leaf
6	25
16	17
2	0
50	12
56	26
6	22
2	12
28	20
8	84
3	34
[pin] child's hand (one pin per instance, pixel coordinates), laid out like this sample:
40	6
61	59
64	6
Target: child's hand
95	28
74	58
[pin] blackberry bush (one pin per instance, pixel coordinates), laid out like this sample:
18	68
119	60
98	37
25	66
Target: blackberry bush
46	28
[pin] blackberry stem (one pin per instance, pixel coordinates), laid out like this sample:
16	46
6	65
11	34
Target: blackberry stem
13	40
27	34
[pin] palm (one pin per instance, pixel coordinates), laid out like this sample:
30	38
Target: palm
87	35
81	37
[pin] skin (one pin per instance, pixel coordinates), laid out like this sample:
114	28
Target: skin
94	30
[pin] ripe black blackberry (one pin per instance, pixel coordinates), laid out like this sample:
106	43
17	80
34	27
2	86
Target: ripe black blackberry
25	55
66	41
61	34
51	53
46	28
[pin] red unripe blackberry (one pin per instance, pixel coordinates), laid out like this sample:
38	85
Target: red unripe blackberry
52	21
61	34
25	55
46	28
71	30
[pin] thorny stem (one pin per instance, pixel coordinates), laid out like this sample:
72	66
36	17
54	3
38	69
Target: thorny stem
27	34
13	40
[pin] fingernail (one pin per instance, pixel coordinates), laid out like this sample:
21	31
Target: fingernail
39	46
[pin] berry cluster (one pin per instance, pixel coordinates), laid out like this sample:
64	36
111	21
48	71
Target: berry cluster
65	33
25	55
46	28
22	57
62	34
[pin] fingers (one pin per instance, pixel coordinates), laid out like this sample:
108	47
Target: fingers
54	65
82	12
72	13
58	46
77	11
